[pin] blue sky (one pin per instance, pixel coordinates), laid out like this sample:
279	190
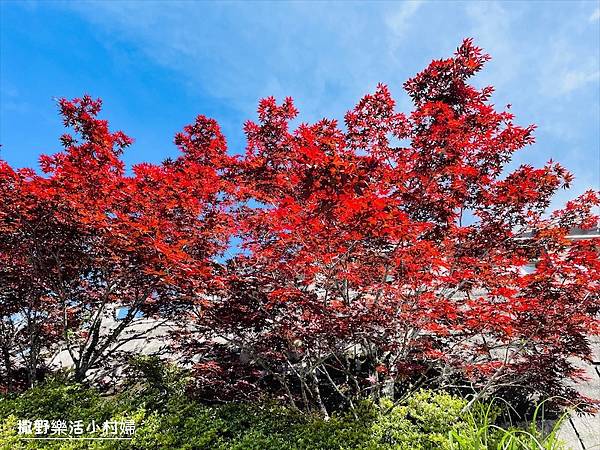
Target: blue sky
159	64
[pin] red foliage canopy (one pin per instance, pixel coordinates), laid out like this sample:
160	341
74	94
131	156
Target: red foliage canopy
86	238
393	252
375	257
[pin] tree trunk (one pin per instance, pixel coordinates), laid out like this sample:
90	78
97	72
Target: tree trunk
387	389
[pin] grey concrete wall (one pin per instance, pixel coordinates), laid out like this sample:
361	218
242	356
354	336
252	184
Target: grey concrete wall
582	431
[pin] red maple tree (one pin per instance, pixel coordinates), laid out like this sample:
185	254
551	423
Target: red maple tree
85	238
390	254
375	257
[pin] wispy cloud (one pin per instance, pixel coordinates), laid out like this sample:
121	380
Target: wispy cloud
576	79
567	68
399	21
492	25
263	49
595	16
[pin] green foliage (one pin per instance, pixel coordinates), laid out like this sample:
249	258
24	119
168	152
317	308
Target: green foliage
53	400
153	382
482	433
166	419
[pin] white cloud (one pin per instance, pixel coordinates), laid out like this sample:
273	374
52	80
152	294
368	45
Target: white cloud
325	55
595	16
575	79
492	27
243	51
568	66
398	21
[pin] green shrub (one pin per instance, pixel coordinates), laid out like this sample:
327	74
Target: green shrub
166	419
53	400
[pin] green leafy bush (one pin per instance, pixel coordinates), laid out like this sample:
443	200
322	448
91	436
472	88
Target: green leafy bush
166	419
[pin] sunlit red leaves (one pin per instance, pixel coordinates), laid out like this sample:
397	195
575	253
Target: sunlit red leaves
408	255
375	233
373	121
86	230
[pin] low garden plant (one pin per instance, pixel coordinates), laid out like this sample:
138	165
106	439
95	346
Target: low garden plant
166	417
